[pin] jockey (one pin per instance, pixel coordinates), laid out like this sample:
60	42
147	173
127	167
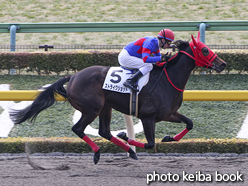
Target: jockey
137	55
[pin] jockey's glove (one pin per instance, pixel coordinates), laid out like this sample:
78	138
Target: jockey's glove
160	64
165	57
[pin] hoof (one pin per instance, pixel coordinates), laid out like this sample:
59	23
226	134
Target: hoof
123	136
96	157
133	156
167	139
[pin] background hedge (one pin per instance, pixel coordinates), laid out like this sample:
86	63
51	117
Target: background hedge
76	145
58	62
55	62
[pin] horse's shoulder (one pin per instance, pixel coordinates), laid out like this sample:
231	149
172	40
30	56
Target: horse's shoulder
156	71
157	68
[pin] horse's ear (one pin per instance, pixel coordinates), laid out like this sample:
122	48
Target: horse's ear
198	36
193	39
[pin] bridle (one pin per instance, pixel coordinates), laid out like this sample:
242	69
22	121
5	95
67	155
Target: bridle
203	56
201	60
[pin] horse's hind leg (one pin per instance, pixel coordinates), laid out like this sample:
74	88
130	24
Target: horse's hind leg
79	128
104	130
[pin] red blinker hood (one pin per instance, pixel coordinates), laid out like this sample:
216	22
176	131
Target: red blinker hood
200	59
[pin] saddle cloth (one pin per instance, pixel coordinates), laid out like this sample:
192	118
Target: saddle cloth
116	76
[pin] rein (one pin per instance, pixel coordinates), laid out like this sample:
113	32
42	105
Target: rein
168	78
202	61
158	78
207	64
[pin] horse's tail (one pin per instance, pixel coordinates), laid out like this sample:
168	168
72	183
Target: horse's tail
44	100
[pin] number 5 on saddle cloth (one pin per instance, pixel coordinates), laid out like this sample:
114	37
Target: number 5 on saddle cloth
114	80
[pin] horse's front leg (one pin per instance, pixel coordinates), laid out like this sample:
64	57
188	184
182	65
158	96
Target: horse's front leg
104	131
178	118
149	130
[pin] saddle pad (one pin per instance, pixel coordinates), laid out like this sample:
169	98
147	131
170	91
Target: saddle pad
116	76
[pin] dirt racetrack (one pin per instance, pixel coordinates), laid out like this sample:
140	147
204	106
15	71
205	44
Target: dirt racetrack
59	169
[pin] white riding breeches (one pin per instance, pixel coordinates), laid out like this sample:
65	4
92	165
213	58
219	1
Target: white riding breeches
128	61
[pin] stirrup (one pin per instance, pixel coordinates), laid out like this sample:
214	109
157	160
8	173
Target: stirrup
129	83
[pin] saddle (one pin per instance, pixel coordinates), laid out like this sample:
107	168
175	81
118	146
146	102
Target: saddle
114	80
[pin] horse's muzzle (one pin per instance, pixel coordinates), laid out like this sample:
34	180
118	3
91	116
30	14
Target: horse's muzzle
218	65
221	67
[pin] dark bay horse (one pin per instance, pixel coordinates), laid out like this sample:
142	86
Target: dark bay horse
84	92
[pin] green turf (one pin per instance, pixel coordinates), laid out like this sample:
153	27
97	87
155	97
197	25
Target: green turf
211	119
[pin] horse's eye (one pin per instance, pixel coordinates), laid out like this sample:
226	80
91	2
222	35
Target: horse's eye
205	51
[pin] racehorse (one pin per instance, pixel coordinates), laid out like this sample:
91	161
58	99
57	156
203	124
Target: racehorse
85	93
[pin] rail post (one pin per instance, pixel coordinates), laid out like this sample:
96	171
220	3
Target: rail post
13	29
12	37
202	29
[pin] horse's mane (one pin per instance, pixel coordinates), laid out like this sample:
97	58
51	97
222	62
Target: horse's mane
181	45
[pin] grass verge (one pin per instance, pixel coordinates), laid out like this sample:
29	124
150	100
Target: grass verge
45	11
75	145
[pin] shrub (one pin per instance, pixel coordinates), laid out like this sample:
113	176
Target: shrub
57	62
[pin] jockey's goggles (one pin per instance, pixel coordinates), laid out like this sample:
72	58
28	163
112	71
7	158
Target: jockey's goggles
168	42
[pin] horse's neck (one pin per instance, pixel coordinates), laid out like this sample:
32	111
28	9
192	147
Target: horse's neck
180	71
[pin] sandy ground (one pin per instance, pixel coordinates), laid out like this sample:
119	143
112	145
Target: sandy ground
118	169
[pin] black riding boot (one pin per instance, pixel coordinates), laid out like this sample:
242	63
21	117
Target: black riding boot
130	82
